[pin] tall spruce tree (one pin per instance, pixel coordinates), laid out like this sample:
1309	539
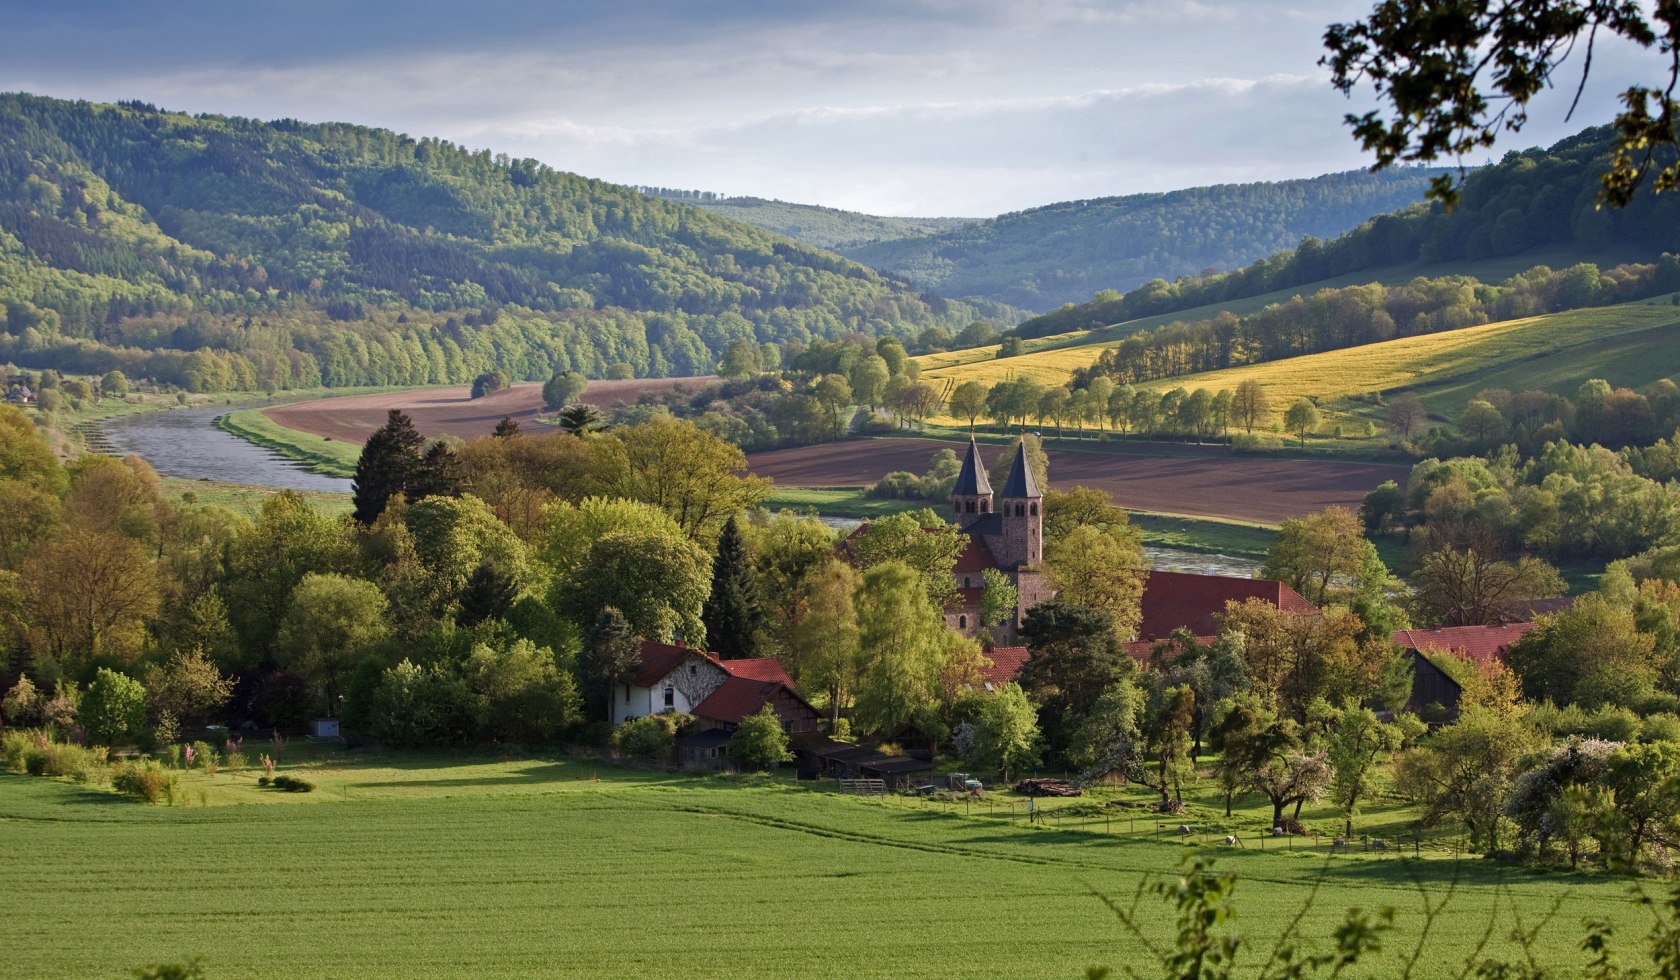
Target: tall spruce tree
489	593
732	613
389	460
611	656
438	474
506	428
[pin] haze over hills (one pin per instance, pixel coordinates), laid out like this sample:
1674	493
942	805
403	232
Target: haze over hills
829	228
222	252
1066	252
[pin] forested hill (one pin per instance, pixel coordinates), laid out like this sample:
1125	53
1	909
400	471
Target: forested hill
829	228
1535	199
1064	253
221	252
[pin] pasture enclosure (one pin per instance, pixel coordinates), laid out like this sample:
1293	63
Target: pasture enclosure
430	866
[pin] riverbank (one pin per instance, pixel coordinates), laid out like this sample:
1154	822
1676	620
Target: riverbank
317	454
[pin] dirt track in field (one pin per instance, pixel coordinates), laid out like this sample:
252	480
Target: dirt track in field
1237	487
450	411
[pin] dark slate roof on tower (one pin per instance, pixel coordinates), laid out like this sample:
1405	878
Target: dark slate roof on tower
972	481
1021	482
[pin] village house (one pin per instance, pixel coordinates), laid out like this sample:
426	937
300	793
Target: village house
718	693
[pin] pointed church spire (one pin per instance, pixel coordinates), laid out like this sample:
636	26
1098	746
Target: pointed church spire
1020	483
972	481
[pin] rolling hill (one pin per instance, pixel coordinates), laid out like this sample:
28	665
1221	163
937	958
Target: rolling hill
1064	253
218	252
829	228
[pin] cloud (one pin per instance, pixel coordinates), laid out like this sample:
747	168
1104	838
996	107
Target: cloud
908	106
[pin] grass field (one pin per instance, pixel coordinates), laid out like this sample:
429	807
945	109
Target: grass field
246	498
454	866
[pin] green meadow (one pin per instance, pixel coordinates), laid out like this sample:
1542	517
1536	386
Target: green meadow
459	865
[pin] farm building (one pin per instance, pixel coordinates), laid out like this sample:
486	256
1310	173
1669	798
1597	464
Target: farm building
679	679
1180	600
20	395
1435	695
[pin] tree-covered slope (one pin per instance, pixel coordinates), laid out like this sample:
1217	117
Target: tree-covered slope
219	252
1538	199
1065	252
829	228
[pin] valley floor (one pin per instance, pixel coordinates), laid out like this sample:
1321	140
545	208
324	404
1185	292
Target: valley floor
455	865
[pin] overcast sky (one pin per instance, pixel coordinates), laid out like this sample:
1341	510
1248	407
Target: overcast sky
927	107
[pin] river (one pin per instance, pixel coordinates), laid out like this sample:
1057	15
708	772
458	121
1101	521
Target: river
185	442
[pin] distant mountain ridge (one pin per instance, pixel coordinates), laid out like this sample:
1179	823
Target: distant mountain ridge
219	252
1536	199
1064	253
813	224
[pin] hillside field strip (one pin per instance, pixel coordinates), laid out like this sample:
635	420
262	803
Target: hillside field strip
1090	342
450	866
1630	345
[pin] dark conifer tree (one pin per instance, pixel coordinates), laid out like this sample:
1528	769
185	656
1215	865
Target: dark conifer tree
438	474
506	428
489	594
387	466
732	613
611	656
580	419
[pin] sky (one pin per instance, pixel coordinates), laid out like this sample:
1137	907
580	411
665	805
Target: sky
916	107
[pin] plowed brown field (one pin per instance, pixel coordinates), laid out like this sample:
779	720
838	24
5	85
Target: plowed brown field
1244	488
449	411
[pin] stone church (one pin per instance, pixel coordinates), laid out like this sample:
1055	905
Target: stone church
1005	531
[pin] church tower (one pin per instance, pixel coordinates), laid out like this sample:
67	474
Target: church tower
1022	507
971	498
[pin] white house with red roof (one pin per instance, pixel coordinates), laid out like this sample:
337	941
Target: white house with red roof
681	679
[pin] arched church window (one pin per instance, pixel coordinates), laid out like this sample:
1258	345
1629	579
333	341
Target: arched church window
1034	508
962	622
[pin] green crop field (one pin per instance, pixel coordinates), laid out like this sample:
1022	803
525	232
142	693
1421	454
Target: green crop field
456	866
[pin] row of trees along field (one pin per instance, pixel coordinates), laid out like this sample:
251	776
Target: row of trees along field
218	253
491	591
1530	200
812	397
1351	316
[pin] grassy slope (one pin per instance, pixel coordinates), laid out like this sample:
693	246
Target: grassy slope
1050	359
434	866
1631	345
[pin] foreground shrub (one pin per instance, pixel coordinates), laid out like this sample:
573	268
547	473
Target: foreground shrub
650	738
292	784
114	708
18	745
146	781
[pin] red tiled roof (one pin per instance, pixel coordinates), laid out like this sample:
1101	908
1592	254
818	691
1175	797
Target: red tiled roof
1175	600
1142	650
966	599
758	669
975	557
736	698
1482	644
1006	663
659	659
